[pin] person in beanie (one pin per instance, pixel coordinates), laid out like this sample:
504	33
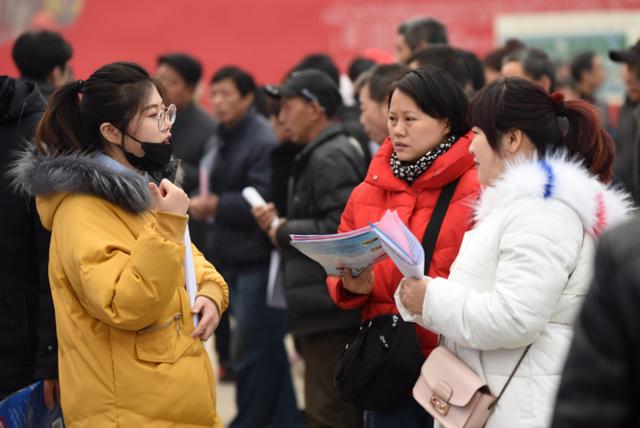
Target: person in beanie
324	173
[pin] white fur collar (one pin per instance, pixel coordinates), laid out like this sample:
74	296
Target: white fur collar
562	178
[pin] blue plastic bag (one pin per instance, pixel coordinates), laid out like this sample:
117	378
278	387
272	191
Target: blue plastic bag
26	409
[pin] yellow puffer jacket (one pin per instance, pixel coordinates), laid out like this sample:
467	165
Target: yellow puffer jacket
126	356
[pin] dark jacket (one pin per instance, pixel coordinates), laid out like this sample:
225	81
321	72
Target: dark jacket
242	160
28	349
282	158
601	379
324	174
189	134
627	160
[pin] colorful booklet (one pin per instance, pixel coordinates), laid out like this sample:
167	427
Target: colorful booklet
361	248
356	250
400	244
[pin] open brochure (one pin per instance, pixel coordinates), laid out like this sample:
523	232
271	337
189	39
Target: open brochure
361	248
400	244
356	250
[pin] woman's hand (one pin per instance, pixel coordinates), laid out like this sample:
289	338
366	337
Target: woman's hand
169	198
361	284
209	317
412	291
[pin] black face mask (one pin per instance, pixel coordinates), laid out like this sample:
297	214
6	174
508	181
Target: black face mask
156	155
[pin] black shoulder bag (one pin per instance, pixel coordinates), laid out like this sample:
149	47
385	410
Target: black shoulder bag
378	370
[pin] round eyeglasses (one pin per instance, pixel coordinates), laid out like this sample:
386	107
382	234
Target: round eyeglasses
165	115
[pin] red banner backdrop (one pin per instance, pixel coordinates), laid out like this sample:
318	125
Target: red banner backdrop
268	37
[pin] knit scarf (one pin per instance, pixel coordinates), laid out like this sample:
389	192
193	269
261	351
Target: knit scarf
411	171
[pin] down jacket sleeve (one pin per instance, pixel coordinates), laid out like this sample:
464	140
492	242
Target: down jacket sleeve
210	283
123	283
537	252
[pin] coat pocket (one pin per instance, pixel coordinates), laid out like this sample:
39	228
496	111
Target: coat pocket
164	342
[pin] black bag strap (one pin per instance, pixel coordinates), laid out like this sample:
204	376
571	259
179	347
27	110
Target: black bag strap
435	223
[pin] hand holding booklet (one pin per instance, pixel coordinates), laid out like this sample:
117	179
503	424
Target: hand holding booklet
361	248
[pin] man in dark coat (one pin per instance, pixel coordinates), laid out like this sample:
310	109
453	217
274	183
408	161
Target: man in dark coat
324	173
601	379
241	252
627	161
28	345
42	57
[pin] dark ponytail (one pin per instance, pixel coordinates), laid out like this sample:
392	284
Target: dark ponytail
514	103
114	93
588	139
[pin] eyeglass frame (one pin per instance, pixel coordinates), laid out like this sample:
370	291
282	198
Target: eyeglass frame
163	115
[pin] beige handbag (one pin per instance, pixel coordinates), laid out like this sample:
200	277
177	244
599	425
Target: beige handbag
453	393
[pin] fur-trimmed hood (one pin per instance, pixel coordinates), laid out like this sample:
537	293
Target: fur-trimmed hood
53	178
562	178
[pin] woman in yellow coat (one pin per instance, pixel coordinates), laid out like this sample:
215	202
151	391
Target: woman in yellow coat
129	355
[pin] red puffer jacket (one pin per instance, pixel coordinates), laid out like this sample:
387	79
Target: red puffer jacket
380	191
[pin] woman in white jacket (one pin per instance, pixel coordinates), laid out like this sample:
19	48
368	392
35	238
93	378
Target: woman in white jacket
523	270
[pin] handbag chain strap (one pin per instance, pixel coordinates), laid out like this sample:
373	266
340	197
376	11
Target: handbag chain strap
510	377
492	405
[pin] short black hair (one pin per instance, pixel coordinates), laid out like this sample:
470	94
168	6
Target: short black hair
358	66
185	65
423	29
319	61
242	79
382	78
493	60
36	54
436	94
581	63
536	63
445	57
475	69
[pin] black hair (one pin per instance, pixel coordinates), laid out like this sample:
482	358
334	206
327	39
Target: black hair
36	54
319	61
493	60
382	79
114	93
535	63
242	80
475	69
581	63
359	66
515	103
423	30
186	66
437	94
445	57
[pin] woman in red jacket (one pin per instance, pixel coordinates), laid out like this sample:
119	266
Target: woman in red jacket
428	148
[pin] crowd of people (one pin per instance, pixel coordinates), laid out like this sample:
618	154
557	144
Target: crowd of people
121	192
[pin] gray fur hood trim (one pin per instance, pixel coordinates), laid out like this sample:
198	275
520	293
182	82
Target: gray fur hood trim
39	175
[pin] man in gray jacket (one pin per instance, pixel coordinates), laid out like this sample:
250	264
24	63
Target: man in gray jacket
324	173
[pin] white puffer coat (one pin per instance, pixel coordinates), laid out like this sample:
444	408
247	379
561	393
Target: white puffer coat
520	278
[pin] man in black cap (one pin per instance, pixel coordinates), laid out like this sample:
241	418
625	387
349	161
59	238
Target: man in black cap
179	75
325	172
627	162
